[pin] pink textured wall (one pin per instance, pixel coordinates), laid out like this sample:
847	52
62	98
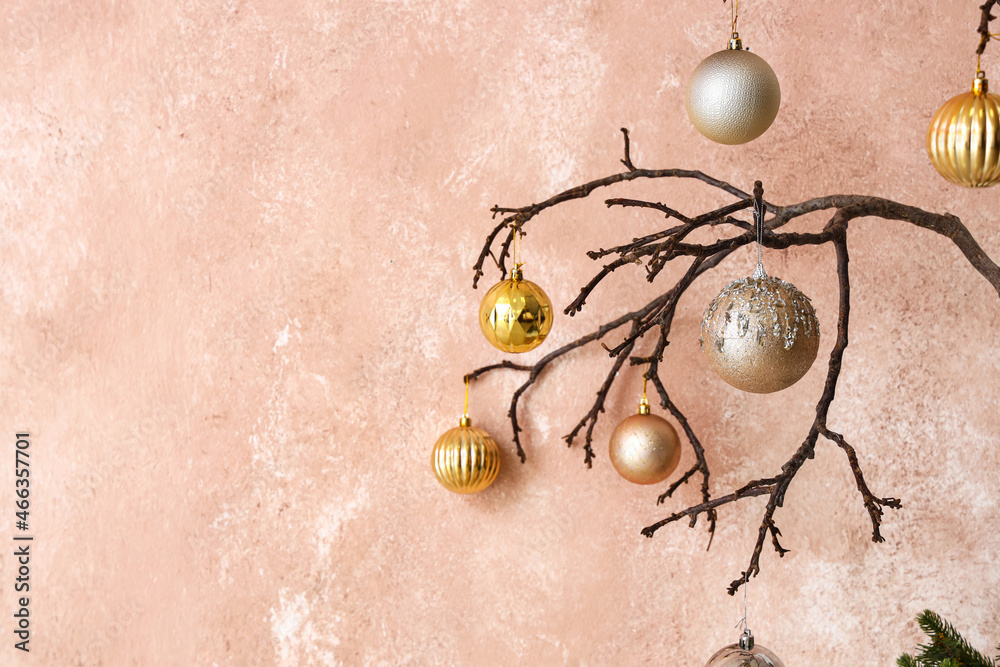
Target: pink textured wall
237	306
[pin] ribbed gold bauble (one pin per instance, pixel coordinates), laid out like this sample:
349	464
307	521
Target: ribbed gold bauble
760	334
466	459
733	95
515	314
644	447
963	139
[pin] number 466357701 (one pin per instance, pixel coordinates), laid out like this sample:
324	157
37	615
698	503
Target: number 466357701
22	470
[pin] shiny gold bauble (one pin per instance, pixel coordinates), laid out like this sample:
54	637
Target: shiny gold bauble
515	314
466	459
644	448
733	95
760	334
963	139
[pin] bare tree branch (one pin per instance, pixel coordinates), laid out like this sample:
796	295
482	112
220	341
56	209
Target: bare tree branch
655	251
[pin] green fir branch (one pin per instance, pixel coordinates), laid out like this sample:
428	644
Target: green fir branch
947	647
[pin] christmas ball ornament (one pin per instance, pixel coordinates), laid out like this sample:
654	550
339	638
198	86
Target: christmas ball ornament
963	139
760	334
644	448
733	95
744	654
466	459
515	314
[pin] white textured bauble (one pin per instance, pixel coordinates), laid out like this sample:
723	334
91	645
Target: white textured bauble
733	96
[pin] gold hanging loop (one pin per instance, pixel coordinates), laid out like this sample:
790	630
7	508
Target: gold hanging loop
465	420
644	404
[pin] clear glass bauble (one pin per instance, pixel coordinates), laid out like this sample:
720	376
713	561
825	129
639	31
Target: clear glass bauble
734	656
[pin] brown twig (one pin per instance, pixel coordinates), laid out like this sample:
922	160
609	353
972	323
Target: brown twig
873	504
590	419
984	25
658	249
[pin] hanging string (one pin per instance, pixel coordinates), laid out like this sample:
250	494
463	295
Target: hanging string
518	249
979	55
466	396
743	625
760	228
758	220
644	403
735	11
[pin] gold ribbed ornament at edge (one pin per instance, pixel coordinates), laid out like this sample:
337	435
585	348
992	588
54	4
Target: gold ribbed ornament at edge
963	139
760	334
515	315
466	459
733	95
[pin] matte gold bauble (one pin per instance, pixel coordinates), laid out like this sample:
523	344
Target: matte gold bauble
747	653
760	334
515	314
466	459
963	139
644	447
733	95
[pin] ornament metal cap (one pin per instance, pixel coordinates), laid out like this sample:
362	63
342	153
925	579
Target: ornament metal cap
515	274
643	406
980	85
465	421
735	43
746	640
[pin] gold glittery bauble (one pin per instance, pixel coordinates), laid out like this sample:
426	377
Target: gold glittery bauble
466	459
760	334
733	95
515	314
644	448
963	139
734	656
